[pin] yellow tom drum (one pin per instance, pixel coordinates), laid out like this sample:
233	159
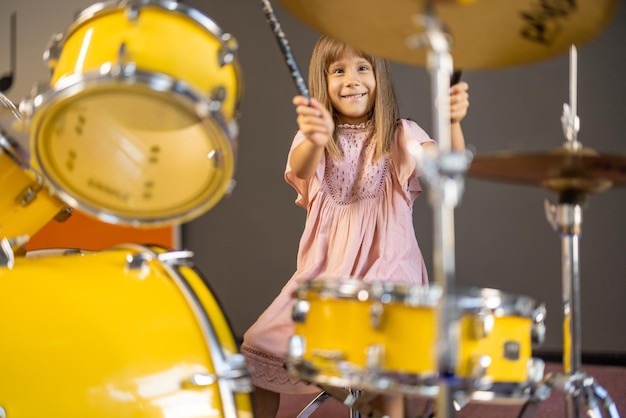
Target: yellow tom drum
26	205
139	123
130	331
383	337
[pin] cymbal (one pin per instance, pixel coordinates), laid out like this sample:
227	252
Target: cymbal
559	170
484	34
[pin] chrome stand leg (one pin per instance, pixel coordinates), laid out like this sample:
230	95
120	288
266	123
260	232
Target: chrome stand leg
313	405
351	398
445	174
581	392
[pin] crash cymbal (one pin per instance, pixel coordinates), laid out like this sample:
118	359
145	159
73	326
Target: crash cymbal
559	170
484	33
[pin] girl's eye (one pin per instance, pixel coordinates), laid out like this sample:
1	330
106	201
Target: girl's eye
364	68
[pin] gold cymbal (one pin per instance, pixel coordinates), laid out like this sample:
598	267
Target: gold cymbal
484	33
559	170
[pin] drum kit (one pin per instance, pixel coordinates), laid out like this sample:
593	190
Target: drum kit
448	344
143	330
129	133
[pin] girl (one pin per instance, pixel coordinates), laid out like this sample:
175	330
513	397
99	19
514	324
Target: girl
350	165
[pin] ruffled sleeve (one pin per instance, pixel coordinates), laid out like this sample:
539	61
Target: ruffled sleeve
408	136
307	189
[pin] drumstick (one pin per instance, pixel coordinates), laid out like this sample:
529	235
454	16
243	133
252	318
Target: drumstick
286	50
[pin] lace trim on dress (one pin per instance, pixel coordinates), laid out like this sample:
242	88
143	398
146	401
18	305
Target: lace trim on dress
363	125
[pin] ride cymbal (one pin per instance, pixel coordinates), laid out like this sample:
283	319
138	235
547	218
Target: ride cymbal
559	170
484	33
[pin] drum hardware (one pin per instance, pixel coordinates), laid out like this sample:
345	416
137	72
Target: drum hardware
478	366
8	249
236	375
445	175
573	172
314	405
352	398
483	324
64	215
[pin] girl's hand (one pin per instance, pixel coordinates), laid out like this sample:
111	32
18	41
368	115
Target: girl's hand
459	101
315	122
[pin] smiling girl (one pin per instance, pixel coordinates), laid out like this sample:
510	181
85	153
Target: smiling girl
353	173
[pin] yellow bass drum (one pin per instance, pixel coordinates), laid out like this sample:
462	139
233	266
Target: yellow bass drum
132	331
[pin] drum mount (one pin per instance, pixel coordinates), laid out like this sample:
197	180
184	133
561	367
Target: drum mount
573	172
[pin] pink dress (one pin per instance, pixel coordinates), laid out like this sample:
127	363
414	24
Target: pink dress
359	224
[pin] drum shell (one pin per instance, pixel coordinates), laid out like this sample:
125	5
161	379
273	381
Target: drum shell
339	329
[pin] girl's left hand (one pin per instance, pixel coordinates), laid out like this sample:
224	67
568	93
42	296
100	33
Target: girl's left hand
459	101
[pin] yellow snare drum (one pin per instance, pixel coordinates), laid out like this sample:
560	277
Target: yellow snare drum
129	331
139	126
26	206
384	337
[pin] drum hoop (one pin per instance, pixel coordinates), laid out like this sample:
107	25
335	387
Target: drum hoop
191	100
68	86
12	149
341	289
498	302
220	363
111	6
353	288
7	142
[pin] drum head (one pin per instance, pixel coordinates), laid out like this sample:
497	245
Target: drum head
135	153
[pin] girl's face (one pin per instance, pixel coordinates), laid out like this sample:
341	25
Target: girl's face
352	88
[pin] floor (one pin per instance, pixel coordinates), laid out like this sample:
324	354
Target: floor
611	378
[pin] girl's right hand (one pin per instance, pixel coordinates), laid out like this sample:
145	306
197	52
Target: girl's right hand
315	122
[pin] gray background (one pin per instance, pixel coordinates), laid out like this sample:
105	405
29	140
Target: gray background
246	246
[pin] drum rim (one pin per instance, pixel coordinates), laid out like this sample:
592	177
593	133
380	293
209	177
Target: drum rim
9	144
110	6
206	110
498	302
355	288
216	353
13	150
466	299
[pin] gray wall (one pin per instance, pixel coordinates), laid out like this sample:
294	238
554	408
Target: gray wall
246	246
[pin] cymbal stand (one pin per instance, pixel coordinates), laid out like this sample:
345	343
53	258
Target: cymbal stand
444	172
582	393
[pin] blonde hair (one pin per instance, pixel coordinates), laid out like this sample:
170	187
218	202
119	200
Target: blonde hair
385	112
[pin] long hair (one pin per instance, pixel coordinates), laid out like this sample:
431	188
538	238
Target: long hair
385	112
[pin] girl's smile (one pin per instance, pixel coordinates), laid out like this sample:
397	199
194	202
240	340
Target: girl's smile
352	88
